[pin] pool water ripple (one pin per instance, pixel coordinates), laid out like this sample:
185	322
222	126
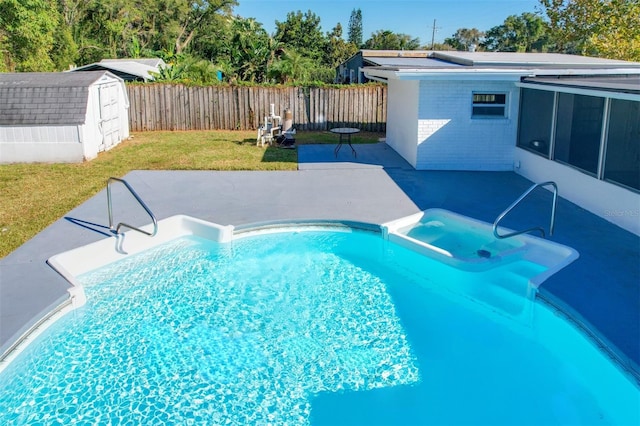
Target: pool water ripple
199	333
289	328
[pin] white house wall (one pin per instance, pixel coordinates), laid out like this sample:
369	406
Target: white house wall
37	144
449	139
402	111
611	202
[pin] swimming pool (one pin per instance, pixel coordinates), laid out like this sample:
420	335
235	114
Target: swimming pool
307	325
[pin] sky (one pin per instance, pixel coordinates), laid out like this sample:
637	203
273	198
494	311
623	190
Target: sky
412	17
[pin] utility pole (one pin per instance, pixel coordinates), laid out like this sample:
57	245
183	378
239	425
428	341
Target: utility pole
433	33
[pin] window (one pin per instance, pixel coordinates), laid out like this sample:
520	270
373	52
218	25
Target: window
579	130
536	118
622	163
489	105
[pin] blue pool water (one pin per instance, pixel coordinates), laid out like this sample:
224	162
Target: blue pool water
311	327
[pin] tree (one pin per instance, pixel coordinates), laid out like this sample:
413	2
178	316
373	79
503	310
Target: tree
465	39
524	33
618	35
302	33
27	34
354	34
608	28
248	50
338	50
292	66
65	51
194	14
187	69
388	40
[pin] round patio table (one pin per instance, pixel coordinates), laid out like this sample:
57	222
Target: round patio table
344	132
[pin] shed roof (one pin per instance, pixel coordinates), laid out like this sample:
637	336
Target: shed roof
46	98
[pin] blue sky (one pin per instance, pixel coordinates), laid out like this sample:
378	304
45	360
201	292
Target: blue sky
413	17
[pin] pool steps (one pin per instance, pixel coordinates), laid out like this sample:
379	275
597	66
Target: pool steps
521	263
78	261
430	233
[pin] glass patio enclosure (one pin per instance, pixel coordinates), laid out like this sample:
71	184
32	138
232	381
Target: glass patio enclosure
591	124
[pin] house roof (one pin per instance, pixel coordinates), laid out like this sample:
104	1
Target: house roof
516	59
52	98
127	69
619	84
484	65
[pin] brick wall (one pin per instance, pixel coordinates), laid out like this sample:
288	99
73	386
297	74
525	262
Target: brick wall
449	139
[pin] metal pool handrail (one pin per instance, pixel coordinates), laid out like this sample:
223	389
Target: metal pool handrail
515	203
138	199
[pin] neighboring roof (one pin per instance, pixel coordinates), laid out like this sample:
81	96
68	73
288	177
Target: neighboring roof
46	98
403	61
127	69
619	84
150	62
394	53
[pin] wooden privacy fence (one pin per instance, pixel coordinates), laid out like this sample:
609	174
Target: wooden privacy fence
178	107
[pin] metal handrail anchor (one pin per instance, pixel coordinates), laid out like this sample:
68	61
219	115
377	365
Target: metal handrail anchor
116	229
515	203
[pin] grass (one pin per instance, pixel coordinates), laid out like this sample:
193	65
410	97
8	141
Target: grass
35	195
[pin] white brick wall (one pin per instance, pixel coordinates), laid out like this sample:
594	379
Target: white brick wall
402	113
449	139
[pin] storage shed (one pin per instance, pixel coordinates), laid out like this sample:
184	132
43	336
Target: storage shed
61	117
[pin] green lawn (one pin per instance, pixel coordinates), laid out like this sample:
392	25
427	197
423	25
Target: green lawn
32	196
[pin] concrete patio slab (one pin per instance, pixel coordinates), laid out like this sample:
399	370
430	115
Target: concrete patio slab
601	288
379	155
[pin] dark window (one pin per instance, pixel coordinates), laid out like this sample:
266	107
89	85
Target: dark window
622	163
579	131
536	118
492	105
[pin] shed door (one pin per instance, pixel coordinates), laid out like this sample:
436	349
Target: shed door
109	115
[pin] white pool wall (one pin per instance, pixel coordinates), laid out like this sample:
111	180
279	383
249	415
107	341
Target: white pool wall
566	341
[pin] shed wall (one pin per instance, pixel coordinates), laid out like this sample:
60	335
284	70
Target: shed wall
38	144
450	139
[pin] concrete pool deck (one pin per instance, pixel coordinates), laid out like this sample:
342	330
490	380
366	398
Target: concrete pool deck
601	288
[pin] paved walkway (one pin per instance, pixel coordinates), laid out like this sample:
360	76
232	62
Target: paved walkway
601	288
